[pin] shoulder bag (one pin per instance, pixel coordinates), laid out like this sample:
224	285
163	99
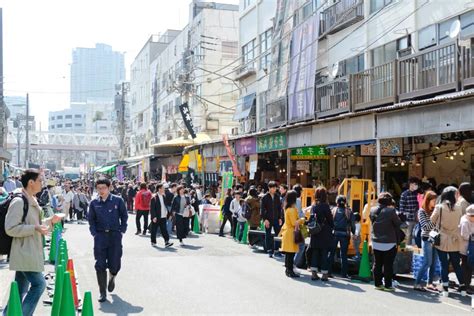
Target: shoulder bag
298	236
435	234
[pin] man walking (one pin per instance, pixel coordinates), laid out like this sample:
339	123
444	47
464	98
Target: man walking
271	213
159	213
68	198
131	193
409	207
142	205
107	223
23	223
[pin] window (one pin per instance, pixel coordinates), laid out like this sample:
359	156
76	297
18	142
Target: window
78	116
376	5
52	118
247	3
427	37
404	47
467	24
78	125
52	127
307	10
68	117
265	48
59	117
102	128
384	54
68	125
59	126
248	52
443	31
352	65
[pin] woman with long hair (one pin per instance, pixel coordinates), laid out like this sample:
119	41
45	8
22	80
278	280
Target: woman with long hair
180	201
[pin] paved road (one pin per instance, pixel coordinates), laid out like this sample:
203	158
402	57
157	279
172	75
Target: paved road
215	275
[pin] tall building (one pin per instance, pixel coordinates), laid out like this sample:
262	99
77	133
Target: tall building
94	73
4	154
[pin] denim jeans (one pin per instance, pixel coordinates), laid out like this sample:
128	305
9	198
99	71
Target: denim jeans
269	241
36	284
343	242
241	230
429	262
300	254
454	258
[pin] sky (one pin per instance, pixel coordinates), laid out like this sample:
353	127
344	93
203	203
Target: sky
39	36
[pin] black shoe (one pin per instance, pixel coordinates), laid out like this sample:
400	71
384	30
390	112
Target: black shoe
111	285
314	276
102	281
168	244
138	233
270	255
221	235
153	244
144	233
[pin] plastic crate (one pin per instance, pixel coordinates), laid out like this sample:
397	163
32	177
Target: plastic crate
417	261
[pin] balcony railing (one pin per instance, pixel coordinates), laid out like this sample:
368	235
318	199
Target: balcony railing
333	97
341	15
467	64
375	86
248	125
429	72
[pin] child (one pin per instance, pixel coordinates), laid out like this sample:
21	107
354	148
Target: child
241	220
356	236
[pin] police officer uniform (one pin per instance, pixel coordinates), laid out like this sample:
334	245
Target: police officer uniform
107	223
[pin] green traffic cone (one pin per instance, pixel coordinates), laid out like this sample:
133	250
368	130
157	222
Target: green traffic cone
58	290
245	235
52	247
14	302
66	251
67	301
196	224
87	309
237	232
364	267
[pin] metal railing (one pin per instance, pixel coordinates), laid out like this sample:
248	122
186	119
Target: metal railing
428	72
333	97
467	67
375	86
341	15
249	125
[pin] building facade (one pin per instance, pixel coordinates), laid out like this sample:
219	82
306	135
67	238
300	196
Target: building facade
94	73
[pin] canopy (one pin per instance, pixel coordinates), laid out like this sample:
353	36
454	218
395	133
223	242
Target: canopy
181	142
183	165
106	169
133	165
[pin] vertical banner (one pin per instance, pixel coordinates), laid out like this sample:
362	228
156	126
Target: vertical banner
140	170
227	180
119	173
163	173
187	119
235	168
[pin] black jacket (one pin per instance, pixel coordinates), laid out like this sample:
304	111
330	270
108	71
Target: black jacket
168	197
323	214
175	204
226	206
155	207
385	225
270	208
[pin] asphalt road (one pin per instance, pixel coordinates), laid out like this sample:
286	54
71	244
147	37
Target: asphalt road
213	275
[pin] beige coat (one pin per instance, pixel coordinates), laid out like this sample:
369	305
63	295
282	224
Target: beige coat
462	205
27	246
450	233
287	231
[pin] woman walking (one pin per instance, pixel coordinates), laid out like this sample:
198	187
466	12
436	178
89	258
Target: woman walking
467	231
180	202
429	252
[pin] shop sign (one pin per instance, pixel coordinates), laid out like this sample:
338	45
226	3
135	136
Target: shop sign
303	166
388	148
246	146
227	180
271	142
172	169
309	153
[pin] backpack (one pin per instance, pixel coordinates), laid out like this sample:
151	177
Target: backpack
6	240
44	198
246	210
146	198
342	221
470	252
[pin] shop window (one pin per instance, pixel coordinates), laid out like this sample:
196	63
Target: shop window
467	24
376	5
427	37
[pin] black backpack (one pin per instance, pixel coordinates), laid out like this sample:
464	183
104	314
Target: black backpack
246	210
6	240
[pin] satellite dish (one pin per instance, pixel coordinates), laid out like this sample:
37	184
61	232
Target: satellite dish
334	70
455	29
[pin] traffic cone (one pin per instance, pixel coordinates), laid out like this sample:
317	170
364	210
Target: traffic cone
67	301
66	253
237	232
196	224
58	239
87	309
245	235
70	269
58	290
365	273
14	302
53	247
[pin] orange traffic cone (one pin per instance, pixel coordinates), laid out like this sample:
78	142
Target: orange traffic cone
70	269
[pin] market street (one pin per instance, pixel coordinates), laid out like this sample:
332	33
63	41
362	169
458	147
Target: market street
216	275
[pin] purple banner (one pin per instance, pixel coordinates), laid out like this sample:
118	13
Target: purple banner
119	172
246	146
304	50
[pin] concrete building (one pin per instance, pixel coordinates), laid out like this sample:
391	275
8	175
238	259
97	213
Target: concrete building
94	73
68	121
4	154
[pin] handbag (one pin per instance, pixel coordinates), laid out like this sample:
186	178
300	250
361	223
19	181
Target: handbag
314	227
435	235
304	231
298	236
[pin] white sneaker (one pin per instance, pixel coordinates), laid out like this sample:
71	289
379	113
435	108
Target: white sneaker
181	243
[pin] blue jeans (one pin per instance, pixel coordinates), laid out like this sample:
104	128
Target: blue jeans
343	242
454	258
300	253
36	284
269	241
241	230
429	262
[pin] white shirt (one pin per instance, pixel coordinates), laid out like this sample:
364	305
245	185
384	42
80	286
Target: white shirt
163	207
68	197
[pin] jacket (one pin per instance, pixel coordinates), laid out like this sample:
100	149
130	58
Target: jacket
449	227
226	206
385	225
323	215
155	207
287	231
254	204
462	205
27	246
235	207
467	229
175	205
140	204
270	208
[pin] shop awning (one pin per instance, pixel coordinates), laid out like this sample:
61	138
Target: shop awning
134	165
243	109
106	169
349	144
181	142
184	164
195	160
138	158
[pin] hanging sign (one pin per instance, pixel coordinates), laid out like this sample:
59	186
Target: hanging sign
187	119
271	142
309	153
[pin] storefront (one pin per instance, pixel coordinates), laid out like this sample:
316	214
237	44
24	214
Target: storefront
309	166
246	152
272	158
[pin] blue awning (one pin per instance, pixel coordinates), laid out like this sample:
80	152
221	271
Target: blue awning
349	144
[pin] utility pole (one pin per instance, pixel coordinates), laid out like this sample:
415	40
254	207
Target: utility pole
27	129
122	123
186	87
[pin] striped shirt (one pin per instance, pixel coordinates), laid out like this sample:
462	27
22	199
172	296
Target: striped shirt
409	204
425	223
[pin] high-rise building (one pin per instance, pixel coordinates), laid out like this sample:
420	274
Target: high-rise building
94	73
4	154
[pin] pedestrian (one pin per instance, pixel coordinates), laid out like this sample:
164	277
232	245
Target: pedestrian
254	204
142	206
467	232
107	223
292	221
170	193
235	209
26	255
81	204
241	220
356	237
320	243
180	202
429	252
226	213
385	236
464	197
344	227
299	207
409	207
68	196
131	193
272	215
446	218
10	184
159	213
